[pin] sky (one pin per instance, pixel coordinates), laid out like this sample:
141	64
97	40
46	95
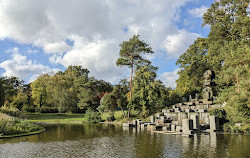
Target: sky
46	36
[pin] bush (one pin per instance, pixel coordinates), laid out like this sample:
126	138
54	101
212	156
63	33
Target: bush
231	127
28	108
110	118
220	112
11	125
12	111
47	110
93	116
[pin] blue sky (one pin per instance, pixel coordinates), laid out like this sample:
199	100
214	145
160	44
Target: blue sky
48	35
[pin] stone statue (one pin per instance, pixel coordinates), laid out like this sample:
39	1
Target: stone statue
190	98
196	97
208	90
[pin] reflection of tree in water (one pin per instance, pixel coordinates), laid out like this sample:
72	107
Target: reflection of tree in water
147	144
216	145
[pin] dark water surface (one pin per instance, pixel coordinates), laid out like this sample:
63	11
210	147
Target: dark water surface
109	141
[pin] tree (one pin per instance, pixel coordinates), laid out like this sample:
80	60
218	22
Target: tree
131	55
120	93
150	95
91	93
40	92
108	103
193	64
9	88
226	51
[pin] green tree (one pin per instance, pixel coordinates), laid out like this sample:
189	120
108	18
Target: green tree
91	93
226	51
150	95
108	103
40	92
9	88
120	92
193	64
131	55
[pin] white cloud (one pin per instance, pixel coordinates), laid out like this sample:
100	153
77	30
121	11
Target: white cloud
177	44
198	12
21	67
96	56
98	26
32	51
169	78
58	47
12	50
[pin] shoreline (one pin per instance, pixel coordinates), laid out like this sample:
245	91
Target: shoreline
23	134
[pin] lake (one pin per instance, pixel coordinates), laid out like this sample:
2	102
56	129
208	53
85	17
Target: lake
104	141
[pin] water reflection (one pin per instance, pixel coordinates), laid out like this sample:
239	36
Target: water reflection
97	140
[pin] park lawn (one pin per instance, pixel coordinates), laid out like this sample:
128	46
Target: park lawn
118	115
55	118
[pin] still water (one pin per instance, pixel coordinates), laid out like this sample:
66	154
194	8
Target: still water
111	141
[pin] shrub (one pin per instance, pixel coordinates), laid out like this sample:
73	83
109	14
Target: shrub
93	116
12	125
231	127
220	112
110	118
12	111
28	108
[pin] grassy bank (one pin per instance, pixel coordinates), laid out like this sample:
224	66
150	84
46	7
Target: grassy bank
55	118
12	126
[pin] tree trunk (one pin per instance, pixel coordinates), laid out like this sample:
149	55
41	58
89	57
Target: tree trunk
119	104
131	82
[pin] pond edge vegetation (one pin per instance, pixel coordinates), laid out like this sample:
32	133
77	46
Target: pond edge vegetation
225	51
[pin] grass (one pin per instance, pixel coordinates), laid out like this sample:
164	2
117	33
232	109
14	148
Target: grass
55	118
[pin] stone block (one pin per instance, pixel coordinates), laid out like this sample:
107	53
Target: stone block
180	104
138	122
135	122
198	102
163	117
192	107
165	128
152	119
181	116
214	123
166	114
187	110
183	107
164	110
158	115
187	127
175	122
173	127
204	117
160	121
173	116
127	125
178	128
202	110
177	110
190	103
196	124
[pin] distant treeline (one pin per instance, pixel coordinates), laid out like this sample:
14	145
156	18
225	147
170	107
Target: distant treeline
74	91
